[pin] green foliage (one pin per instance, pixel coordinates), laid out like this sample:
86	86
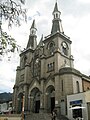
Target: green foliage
7	44
14	14
12	11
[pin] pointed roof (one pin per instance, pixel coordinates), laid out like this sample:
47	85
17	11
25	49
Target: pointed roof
57	22
41	41
33	24
32	42
55	8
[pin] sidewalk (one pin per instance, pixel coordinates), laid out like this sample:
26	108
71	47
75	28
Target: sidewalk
10	117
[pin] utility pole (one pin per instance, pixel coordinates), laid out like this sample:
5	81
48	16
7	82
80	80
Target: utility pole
23	101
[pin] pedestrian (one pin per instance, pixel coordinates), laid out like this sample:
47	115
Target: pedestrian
54	115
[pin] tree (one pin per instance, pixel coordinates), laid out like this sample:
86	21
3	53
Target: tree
14	14
12	11
7	44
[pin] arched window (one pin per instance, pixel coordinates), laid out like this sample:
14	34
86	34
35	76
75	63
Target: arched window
56	15
51	48
51	67
77	86
23	61
36	67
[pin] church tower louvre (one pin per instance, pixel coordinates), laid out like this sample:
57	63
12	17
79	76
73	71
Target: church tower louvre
46	74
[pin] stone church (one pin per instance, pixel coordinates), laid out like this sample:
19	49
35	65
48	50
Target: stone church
46	74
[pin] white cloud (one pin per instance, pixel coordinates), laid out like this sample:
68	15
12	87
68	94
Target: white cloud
84	1
77	28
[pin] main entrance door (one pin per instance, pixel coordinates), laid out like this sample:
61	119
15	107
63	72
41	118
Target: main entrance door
50	98
19	102
37	106
52	103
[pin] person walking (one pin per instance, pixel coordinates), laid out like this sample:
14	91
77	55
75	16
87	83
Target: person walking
54	115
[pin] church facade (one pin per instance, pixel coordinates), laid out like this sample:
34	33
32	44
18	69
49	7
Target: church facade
46	74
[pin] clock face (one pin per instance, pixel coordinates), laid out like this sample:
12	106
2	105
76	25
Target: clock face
64	45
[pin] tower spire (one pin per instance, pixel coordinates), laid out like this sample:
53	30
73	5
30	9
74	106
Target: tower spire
56	7
32	42
33	28
56	24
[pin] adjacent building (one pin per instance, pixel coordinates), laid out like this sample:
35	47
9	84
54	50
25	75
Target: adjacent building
46	74
79	105
6	107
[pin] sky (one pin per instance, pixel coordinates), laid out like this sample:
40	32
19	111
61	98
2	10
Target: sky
75	16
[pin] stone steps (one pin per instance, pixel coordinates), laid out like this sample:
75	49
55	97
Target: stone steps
43	116
38	116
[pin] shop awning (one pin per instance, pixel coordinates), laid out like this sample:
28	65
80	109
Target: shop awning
76	107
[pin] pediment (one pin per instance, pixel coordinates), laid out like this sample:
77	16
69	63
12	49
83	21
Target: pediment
50	78
35	83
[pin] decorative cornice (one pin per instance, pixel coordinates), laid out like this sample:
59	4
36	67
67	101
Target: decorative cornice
27	65
85	77
26	50
15	86
43	56
42	79
56	74
58	34
69	70
23	83
18	68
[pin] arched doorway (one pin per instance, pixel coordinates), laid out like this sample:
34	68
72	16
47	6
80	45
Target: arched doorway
50	92
20	102
35	100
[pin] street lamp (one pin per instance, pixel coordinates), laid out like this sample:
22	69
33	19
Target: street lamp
23	100
17	107
29	103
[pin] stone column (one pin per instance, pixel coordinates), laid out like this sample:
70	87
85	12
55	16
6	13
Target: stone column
46	102
26	85
57	94
26	98
57	82
42	97
17	75
15	99
17	104
26	76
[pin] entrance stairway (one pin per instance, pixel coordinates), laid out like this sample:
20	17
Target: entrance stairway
38	116
43	116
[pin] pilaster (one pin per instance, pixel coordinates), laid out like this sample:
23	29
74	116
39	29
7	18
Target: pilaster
26	73
15	99
17	75
57	94
42	96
